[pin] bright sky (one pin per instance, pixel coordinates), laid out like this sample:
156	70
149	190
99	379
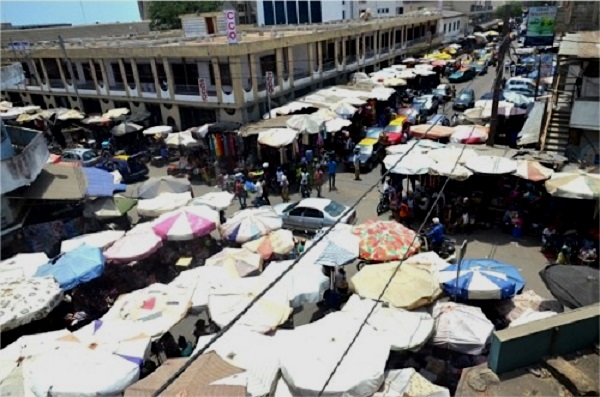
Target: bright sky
23	12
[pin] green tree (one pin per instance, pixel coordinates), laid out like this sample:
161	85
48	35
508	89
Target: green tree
515	9
164	15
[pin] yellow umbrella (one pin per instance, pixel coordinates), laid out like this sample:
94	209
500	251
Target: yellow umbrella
492	33
394	82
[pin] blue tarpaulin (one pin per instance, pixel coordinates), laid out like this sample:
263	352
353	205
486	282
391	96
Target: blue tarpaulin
101	183
76	267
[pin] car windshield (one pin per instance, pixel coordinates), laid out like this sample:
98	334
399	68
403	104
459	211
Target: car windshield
439	91
290	207
373	133
334	209
365	149
464	97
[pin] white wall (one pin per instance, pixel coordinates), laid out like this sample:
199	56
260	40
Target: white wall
461	21
333	10
260	14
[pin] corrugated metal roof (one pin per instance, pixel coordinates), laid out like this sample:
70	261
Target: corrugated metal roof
581	45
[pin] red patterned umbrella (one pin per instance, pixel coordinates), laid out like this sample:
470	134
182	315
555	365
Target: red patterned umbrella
382	241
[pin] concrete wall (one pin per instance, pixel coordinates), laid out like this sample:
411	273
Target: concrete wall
527	344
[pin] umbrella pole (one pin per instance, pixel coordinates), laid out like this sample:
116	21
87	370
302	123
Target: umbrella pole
461	255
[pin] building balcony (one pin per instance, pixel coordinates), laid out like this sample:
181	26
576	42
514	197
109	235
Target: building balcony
56	83
183	89
116	87
328	65
24	154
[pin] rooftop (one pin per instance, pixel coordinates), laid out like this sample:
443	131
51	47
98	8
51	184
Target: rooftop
451	14
581	45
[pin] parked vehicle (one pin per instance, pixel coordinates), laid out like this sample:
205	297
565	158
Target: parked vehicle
132	169
408	95
312	214
447	250
374	132
464	100
368	150
443	92
398	130
384	203
520	83
462	75
480	67
429	102
87	157
439	119
420	114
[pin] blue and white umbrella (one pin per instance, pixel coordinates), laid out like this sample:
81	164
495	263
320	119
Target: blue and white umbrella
337	248
250	224
482	279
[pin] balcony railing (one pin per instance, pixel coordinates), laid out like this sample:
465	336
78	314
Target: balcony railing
87	85
56	83
148	87
328	65
194	90
301	73
117	87
351	58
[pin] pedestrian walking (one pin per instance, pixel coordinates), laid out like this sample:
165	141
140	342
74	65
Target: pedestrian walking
357	165
240	192
304	175
265	192
318	180
279	175
332	168
285	188
453	91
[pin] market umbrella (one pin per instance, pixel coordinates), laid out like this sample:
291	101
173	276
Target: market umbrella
578	185
310	352
469	134
163	203
134	246
108	207
96	120
439	63
166	184
452	154
491	165
265	315
305	283
115	113
24	300
250	224
152	310
403	329
102	240
393	82
431	131
158	130
339	247
70	114
409	382
411	286
216	200
344	109
306	123
75	267
532	171
481	279
22	265
382	241
125	128
451	170
5	105
529	316
573	286
478	114
186	223
183	139
513	308
409	60
410	164
337	124
277	137
199	282
280	242
239	262
420	146
461	328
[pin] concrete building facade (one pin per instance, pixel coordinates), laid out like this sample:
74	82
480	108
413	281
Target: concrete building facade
452	25
190	81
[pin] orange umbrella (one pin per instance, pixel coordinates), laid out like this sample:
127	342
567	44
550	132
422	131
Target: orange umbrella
431	132
383	241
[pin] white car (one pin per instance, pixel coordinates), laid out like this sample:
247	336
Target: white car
519	84
312	214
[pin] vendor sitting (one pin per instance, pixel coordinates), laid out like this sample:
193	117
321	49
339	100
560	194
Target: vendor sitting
436	234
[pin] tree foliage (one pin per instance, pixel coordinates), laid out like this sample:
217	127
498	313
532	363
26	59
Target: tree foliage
164	15
515	9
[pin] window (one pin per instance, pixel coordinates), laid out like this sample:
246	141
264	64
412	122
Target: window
334	209
444	28
313	213
343	14
292	14
87	156
458	24
316	13
296	212
387	10
269	13
400	10
303	11
280	13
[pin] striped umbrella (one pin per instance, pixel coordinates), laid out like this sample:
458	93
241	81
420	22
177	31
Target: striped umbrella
382	241
532	171
279	242
239	262
337	248
250	224
186	223
578	185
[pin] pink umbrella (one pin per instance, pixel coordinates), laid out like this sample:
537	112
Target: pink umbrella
186	223
133	247
469	134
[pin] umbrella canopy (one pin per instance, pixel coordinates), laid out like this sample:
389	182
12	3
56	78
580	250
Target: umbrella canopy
239	262
451	170
277	137
102	240
305	283
461	328
268	313
152	310
482	279
410	164
250	224
70	114
492	165
280	242
527	301
115	113
394	82
336	125
416	146
532	171
577	185
183	138
306	123
199	282
403	329
215	200
75	267
529	316
452	154
306	366
167	184
134	246
125	128
27	299
108	207
338	248
408	382
344	109
96	120
409	60
411	286
22	266
186	223
158	129
572	286
163	203
382	241
431	131
469	134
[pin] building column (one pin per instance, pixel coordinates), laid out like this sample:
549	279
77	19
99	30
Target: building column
155	76
320	57
124	76
344	40
290	65
170	81
393	40
336	52
62	73
136	76
364	45
235	70
357	45
311	58
104	77
254	73
38	79
279	67
94	77
217	73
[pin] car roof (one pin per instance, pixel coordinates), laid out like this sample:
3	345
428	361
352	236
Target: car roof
317	203
466	91
443	86
368	141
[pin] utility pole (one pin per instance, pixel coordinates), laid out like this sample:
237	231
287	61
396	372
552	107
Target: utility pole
504	46
61	42
539	74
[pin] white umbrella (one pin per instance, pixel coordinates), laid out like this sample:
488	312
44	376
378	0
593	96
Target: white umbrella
532	171
344	109
163	203
96	120
22	266
578	185
27	299
199	282
167	184
250	224
238	262
139	243
408	382
405	330
339	247
306	123
277	137
103	239
382	93
354	101
183	138
158	129
216	200
411	164
115	113
125	128
336	125
451	170
452	154
493	165
461	328
529	316
310	352
280	242
70	114
304	284
186	223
